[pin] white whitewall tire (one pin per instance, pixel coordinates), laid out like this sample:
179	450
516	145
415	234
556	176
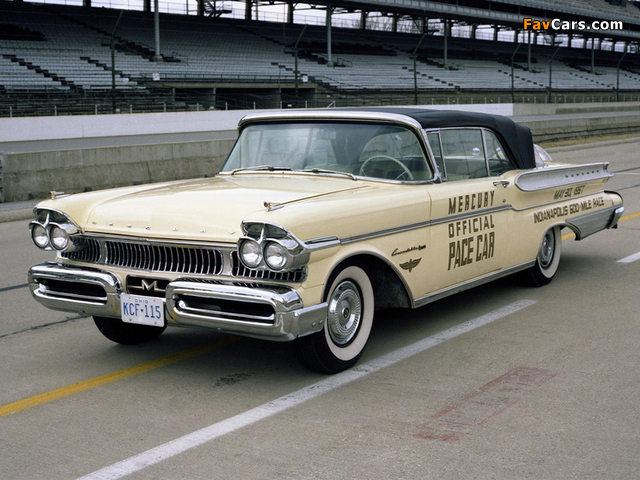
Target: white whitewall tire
345	334
548	258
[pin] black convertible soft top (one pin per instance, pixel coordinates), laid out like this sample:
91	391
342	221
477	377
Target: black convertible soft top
517	137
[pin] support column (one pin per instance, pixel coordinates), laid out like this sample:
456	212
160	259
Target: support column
290	10
363	19
529	51
329	14
156	29
446	40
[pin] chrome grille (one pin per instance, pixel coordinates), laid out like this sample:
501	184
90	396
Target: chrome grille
163	258
154	258
91	252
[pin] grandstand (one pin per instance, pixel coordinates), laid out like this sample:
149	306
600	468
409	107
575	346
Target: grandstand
57	59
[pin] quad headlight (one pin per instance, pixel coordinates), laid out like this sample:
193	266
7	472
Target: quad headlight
39	235
251	253
276	256
59	237
269	247
53	230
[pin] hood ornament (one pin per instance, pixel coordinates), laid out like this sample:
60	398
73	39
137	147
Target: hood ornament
270	206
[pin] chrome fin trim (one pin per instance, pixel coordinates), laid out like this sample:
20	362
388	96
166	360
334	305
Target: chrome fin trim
554	177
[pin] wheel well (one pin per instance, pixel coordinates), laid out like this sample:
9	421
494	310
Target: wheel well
388	289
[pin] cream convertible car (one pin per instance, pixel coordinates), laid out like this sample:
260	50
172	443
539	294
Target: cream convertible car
317	219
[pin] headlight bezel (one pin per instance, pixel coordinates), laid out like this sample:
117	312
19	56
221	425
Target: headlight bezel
270	236
48	221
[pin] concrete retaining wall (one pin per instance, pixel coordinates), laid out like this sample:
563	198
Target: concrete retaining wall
35	174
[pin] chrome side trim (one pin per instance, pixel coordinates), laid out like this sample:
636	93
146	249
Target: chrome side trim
321	243
419	302
385	232
553	177
470	214
328	242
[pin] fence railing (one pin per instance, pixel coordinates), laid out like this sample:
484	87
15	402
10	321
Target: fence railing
101	105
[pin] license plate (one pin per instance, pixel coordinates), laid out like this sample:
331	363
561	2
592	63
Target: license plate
142	310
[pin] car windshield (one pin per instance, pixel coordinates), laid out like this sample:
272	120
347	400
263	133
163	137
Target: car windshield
367	150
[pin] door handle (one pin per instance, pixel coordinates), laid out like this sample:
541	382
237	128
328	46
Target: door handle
504	183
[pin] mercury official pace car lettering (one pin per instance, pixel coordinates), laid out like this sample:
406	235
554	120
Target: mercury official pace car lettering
316	220
468	248
476	201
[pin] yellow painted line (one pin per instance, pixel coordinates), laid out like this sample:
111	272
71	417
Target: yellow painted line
36	400
629	217
567	236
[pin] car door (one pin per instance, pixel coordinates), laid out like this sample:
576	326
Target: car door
471	208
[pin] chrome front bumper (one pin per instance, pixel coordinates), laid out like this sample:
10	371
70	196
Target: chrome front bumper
271	312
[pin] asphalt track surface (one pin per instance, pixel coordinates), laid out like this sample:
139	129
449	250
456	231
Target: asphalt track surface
504	381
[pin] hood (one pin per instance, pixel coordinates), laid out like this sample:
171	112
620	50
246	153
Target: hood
204	209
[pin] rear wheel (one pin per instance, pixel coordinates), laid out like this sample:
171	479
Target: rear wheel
126	333
349	319
548	258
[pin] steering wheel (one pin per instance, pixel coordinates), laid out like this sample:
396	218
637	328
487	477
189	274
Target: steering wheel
386	157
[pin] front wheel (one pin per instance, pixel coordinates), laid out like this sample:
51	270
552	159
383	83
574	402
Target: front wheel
548	258
349	319
126	333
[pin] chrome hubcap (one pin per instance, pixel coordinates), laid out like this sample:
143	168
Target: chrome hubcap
345	313
546	249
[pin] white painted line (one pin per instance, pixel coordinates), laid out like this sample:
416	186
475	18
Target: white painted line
630	258
199	437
